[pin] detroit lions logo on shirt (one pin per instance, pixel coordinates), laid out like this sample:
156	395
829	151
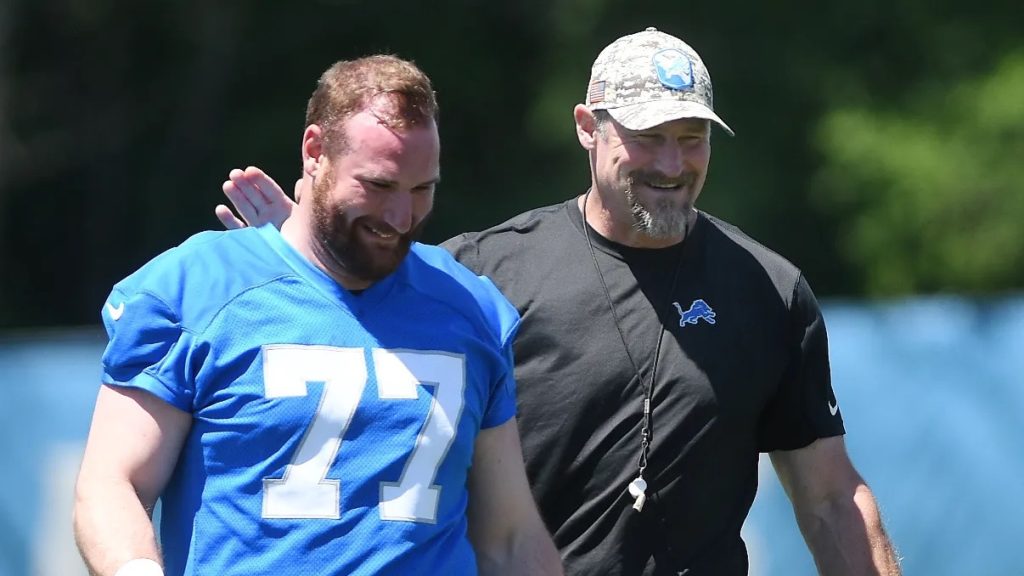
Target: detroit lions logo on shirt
674	69
698	310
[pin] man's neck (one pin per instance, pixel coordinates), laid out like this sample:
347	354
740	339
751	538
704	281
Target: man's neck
296	231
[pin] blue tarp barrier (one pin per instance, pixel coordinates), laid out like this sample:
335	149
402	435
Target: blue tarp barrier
931	390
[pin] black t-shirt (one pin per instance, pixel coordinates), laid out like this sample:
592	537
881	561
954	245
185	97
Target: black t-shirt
743	369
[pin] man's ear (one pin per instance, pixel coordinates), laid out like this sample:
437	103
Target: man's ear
586	126
312	149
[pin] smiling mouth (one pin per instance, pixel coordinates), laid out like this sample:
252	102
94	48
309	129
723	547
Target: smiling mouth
663	186
382	233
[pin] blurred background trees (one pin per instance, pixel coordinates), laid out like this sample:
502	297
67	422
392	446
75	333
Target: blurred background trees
879	144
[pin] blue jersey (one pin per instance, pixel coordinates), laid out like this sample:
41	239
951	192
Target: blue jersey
332	433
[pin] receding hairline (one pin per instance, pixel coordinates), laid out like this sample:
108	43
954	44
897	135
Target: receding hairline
395	90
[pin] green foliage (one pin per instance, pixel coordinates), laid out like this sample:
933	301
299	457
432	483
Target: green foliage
869	151
929	196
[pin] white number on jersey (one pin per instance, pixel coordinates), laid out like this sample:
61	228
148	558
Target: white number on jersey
305	491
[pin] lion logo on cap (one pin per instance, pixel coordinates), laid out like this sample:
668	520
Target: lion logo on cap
674	69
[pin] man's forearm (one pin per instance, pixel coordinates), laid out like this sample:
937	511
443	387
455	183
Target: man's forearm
847	538
111	526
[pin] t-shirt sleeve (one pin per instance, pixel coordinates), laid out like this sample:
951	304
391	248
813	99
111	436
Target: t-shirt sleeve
502	404
465	250
804	408
147	347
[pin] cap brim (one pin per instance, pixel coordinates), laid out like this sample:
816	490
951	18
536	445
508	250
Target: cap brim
646	115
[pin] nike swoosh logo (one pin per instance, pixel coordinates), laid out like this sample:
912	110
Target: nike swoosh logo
115	313
832	408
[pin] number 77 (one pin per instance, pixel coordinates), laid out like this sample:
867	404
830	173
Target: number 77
305	491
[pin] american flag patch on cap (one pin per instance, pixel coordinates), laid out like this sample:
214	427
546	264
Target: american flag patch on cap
596	93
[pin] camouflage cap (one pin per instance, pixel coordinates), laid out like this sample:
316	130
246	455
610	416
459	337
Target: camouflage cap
650	78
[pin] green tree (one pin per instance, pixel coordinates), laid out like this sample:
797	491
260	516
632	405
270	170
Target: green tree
929	195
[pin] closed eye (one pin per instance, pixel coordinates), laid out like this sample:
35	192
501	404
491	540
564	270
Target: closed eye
648	138
377	184
427	186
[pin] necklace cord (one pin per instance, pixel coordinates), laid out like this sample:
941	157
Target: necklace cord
646	432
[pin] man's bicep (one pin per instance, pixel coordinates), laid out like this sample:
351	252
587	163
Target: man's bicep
498	489
134	436
816	472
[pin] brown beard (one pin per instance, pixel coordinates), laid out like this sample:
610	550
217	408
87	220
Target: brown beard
341	247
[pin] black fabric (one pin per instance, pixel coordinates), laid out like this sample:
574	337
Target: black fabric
756	379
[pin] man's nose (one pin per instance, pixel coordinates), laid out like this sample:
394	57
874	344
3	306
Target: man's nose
671	159
398	211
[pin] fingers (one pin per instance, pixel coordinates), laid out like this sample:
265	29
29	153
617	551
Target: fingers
257	186
268	190
228	218
298	189
257	198
246	197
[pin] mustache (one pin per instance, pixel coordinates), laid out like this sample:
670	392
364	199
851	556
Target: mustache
653	177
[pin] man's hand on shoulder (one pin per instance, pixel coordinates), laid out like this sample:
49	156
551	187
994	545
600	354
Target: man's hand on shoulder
256	197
